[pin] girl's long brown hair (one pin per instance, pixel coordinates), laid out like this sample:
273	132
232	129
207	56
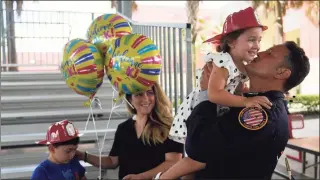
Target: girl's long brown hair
160	119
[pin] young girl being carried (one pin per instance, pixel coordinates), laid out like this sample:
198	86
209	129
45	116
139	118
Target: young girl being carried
237	45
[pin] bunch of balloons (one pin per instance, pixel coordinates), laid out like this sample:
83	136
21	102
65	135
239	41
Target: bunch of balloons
131	62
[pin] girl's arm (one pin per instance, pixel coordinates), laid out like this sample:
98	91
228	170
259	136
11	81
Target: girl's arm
216	92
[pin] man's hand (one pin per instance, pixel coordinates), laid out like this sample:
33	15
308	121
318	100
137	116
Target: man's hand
204	81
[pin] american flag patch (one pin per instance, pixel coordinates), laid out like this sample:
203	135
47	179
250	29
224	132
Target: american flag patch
253	118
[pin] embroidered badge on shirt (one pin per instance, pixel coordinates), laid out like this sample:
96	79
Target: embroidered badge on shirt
253	118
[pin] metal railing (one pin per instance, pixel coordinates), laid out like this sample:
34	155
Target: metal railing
175	48
40	36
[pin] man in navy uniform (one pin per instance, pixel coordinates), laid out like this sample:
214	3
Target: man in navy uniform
245	142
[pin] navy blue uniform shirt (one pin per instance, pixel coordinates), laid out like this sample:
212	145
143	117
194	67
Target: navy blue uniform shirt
232	151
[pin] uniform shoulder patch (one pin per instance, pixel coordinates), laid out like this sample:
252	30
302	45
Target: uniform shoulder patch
253	118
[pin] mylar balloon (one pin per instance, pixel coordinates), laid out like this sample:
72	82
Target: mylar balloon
82	67
133	63
105	28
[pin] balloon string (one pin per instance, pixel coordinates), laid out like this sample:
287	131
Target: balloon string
95	128
91	101
88	119
94	125
114	106
85	128
97	101
124	98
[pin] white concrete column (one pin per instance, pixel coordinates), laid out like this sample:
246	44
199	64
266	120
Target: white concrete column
126	8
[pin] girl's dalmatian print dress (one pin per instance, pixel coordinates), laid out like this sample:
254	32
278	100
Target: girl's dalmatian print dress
178	131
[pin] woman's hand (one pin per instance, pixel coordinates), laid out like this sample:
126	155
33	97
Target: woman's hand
79	155
134	176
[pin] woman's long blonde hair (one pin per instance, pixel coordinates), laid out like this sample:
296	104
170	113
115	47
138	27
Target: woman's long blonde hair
160	119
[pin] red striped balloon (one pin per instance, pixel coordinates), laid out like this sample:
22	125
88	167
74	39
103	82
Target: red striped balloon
133	63
106	28
82	67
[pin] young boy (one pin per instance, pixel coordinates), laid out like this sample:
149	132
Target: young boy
62	140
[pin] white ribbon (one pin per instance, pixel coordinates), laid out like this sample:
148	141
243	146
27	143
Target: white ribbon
114	106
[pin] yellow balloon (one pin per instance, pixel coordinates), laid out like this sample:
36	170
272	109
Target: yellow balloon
106	28
82	67
133	63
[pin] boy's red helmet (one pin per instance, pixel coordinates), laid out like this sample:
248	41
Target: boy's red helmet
60	132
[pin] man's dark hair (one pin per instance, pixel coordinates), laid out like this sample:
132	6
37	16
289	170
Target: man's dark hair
298	63
224	47
74	141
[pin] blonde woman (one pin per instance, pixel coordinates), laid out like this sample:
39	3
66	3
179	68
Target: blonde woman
141	147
